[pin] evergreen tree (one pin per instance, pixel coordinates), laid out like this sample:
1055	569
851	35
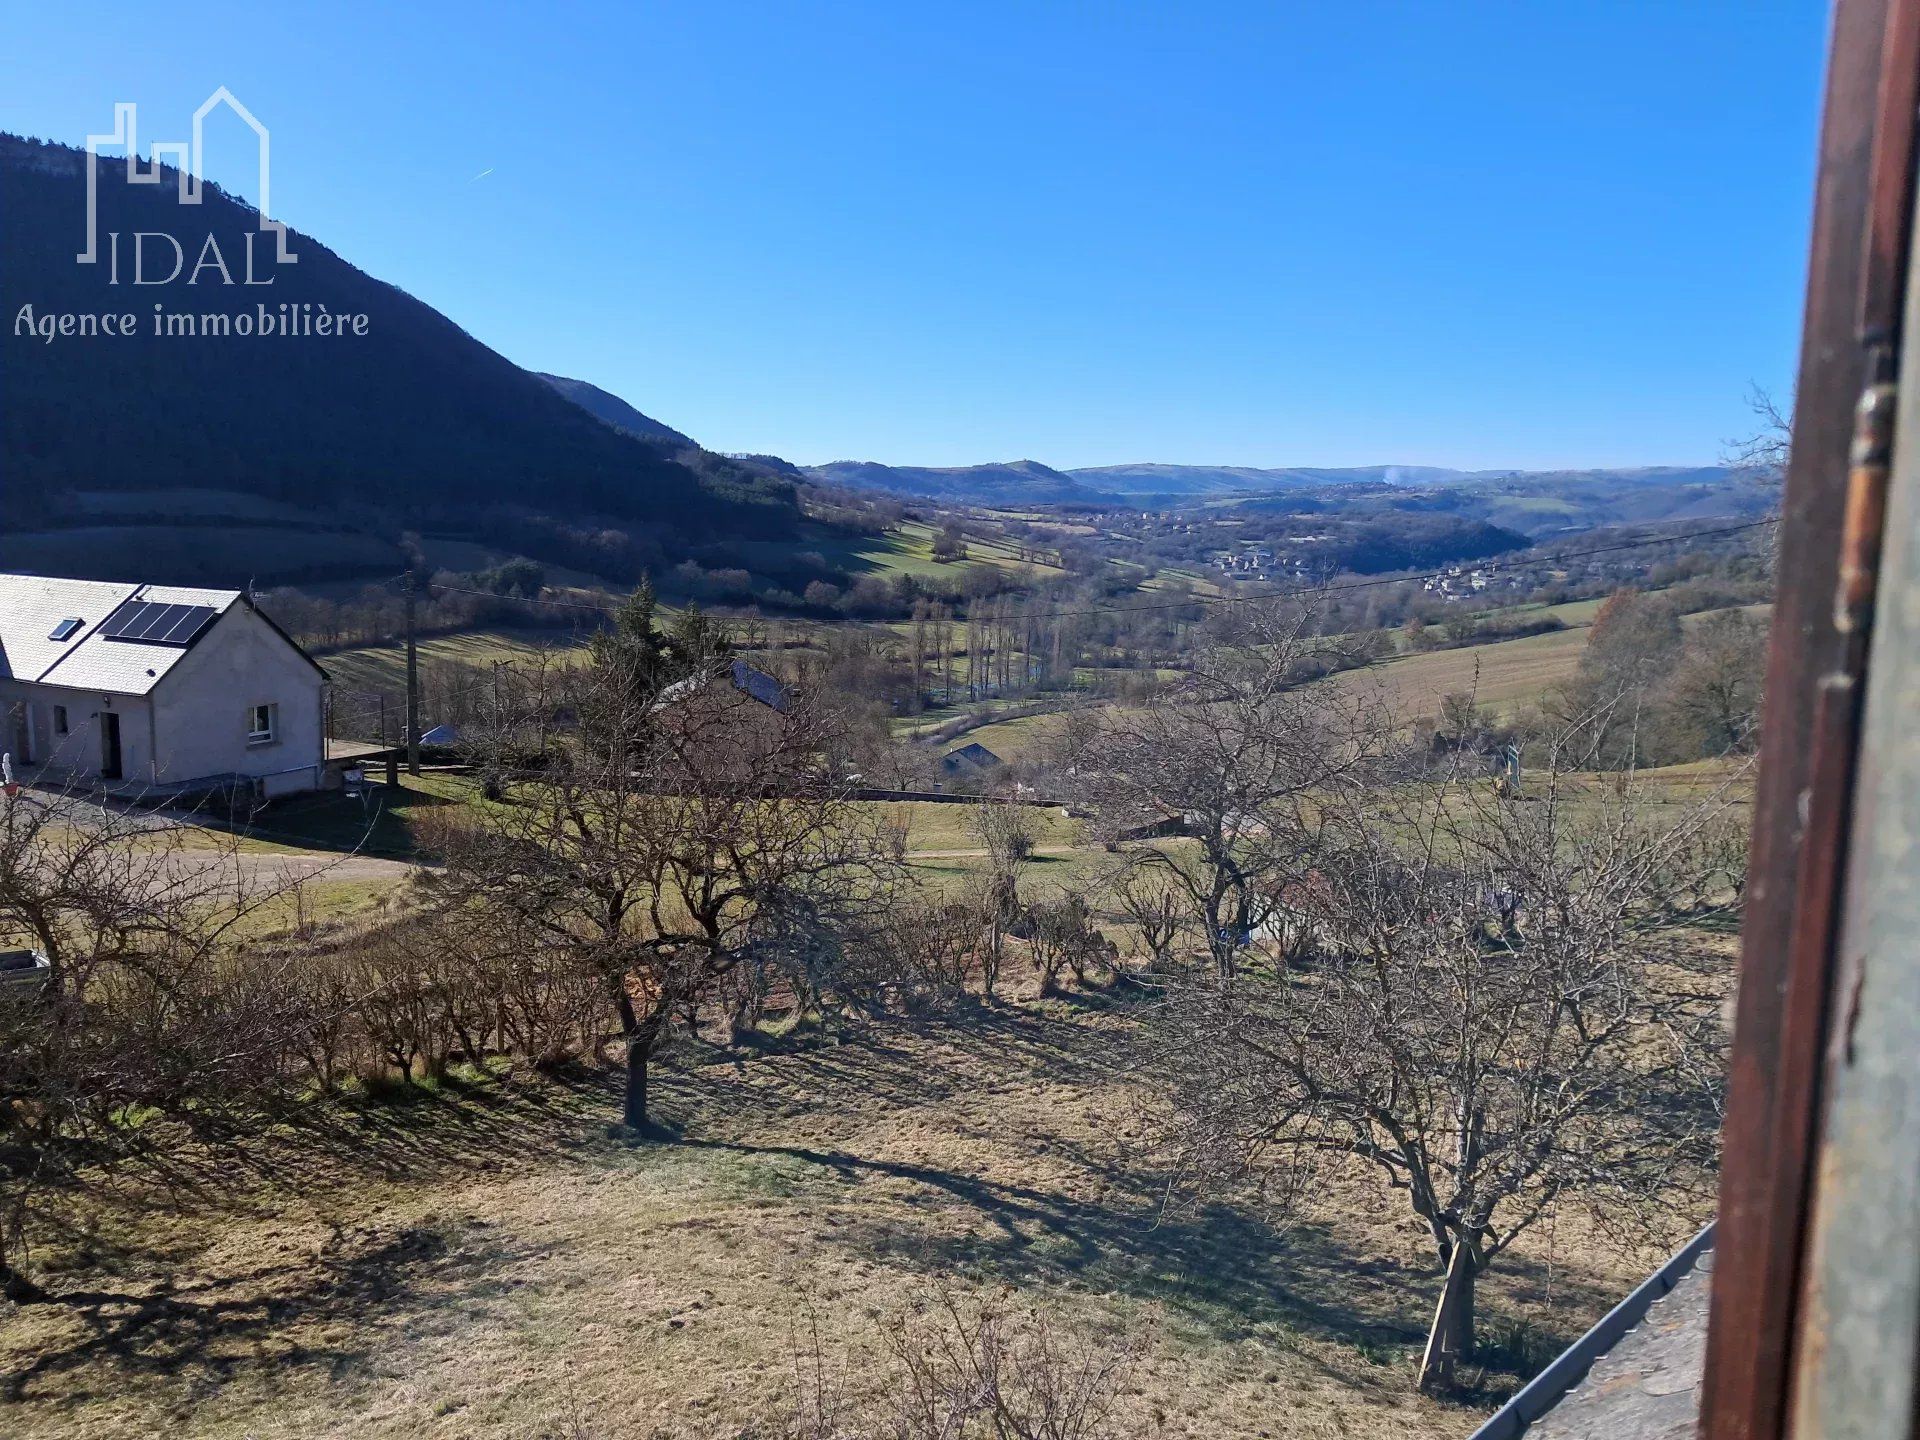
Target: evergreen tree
631	656
697	642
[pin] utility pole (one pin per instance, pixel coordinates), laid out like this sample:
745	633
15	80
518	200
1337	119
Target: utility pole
393	766
413	670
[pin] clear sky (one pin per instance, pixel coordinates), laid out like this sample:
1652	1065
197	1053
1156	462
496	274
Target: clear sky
1468	234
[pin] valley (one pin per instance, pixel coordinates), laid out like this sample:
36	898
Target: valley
516	920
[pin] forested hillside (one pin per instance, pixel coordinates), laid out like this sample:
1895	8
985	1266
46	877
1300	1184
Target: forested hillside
413	415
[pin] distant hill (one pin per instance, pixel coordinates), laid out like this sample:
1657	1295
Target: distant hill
1531	502
615	411
1179	480
414	418
1176	480
774	465
1014	482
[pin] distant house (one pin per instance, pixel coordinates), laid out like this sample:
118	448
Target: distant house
755	684
155	688
974	759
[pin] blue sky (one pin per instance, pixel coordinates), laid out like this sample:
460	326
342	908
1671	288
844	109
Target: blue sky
1341	233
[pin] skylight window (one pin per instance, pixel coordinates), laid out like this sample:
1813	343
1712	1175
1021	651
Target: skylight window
64	630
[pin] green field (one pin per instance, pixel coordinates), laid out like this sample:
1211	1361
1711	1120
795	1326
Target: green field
384	667
1015	740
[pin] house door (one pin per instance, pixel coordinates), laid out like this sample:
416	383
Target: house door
22	733
109	745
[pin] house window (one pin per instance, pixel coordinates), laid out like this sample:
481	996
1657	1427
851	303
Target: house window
64	630
260	724
59	719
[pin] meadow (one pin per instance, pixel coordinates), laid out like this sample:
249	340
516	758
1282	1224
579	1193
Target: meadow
483	1256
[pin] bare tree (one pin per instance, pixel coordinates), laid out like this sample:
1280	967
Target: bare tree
143	1004
1061	935
962	1370
1235	758
1142	895
687	843
1712	698
1766	449
1007	830
1500	1014
1767	446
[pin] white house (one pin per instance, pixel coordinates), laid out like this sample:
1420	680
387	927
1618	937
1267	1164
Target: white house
155	687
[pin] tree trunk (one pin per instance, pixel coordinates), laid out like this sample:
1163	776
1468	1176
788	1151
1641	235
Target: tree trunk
633	1111
634	1108
1450	1341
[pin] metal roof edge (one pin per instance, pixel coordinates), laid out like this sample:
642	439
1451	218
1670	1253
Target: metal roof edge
1569	1368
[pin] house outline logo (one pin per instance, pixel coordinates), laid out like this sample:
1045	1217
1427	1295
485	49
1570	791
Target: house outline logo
185	156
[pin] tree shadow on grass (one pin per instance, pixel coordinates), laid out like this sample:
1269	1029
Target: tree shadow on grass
411	1132
214	1331
380	826
1226	1272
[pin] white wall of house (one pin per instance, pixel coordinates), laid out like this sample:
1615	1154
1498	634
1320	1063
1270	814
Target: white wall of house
79	752
204	708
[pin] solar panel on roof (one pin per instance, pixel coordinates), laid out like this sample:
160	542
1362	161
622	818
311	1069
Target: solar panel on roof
157	623
159	620
182	630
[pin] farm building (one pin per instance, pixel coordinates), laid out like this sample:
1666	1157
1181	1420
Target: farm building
155	688
754	684
974	759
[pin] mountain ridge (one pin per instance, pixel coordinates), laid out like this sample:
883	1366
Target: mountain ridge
1010	481
409	417
1032	482
607	406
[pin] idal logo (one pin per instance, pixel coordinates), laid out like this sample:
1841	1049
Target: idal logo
185	158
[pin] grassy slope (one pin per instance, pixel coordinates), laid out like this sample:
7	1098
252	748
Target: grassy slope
489	1263
1020	739
1510	673
384	826
384	667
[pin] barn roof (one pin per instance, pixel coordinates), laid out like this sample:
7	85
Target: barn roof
756	684
975	754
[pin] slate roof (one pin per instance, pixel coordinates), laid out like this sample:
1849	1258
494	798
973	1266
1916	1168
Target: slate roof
748	681
31	606
760	685
974	754
1648	1385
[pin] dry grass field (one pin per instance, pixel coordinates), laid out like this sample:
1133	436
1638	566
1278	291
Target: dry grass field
1505	676
490	1260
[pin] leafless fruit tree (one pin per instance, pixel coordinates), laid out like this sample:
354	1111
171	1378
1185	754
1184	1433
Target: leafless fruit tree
688	843
1007	830
1235	759
145	1019
959	1369
1499	1012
